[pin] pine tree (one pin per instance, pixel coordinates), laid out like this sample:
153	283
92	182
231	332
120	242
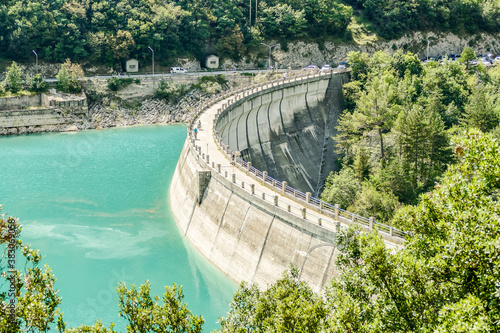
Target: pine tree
13	78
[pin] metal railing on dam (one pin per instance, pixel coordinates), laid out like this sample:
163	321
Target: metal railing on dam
283	196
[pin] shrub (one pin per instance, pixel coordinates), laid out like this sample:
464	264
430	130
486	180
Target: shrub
67	78
115	84
170	92
13	78
36	83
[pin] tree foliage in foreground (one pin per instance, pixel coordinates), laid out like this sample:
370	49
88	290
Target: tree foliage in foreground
22	278
447	277
145	314
288	305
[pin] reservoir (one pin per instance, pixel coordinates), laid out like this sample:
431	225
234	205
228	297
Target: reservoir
96	205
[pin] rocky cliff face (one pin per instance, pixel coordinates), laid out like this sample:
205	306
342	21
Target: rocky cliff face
303	54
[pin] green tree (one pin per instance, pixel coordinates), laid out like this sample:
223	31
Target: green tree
231	43
97	327
68	77
423	144
351	91
446	89
481	111
403	62
288	305
376	202
36	83
374	112
25	284
144	313
341	188
446	277
283	21
13	78
467	56
358	62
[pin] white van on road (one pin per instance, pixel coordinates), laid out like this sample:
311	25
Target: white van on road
178	70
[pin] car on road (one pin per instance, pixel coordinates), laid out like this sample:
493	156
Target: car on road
486	61
178	70
326	68
310	68
342	65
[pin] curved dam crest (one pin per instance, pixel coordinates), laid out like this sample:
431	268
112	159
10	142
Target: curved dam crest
288	131
248	238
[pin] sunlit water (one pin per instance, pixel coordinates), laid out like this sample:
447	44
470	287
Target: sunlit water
96	205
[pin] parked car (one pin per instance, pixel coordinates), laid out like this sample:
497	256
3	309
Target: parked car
497	58
310	68
486	61
178	70
342	65
326	68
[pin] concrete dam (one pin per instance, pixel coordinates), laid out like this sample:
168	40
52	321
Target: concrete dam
286	129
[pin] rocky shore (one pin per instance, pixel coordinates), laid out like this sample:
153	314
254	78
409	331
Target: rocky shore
109	113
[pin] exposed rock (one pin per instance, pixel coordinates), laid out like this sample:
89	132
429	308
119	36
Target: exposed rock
71	128
302	54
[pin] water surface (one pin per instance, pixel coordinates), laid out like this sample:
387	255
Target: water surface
96	205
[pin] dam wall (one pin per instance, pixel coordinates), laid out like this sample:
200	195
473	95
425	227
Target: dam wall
246	223
246	235
287	131
248	238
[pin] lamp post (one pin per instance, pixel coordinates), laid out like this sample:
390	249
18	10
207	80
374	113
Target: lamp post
36	55
428	43
153	61
270	47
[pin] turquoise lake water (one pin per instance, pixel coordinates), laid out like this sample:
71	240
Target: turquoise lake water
96	205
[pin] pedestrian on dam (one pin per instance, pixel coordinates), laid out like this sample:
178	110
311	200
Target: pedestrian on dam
195	133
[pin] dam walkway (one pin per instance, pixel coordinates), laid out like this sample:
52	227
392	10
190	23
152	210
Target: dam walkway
216	157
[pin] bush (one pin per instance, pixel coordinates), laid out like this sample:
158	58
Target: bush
13	78
67	78
374	202
115	84
170	92
36	83
341	188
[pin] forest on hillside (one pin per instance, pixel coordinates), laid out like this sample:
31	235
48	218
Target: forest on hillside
110	31
395	138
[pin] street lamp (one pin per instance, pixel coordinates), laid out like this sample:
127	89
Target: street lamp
270	47
153	61
36	55
428	43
